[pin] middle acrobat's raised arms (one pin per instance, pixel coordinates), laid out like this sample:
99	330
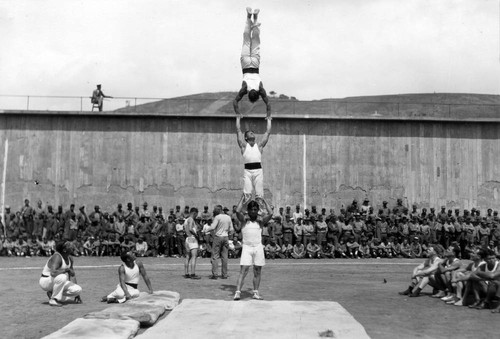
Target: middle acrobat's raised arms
243	91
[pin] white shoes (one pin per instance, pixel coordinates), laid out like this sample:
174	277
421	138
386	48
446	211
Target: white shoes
53	302
256	296
237	295
447	298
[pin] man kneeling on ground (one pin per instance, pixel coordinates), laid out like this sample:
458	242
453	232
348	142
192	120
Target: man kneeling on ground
58	276
128	273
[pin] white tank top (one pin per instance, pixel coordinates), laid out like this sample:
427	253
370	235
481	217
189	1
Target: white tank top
493	269
252	233
131	274
475	268
251	154
64	266
252	80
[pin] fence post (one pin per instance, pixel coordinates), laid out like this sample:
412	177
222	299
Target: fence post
81	104
135	104
28	103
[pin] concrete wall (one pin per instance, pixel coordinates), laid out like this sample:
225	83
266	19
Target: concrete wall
194	160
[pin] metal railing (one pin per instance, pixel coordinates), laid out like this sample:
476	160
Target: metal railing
334	107
66	103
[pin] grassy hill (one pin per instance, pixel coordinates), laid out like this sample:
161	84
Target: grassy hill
441	105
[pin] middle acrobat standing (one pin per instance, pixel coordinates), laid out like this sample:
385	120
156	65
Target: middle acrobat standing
252	85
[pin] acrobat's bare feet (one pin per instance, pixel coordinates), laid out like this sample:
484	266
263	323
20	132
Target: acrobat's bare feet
256	14
249	13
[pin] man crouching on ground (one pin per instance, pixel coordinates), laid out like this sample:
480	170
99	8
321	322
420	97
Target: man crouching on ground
58	276
128	273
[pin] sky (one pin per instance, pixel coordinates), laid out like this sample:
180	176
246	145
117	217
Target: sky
309	49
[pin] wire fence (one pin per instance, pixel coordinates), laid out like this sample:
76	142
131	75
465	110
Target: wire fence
333	108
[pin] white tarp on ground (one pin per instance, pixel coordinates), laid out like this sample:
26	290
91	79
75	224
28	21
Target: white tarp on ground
97	329
144	314
167	299
146	308
203	318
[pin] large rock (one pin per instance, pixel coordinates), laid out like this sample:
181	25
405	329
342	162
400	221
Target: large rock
145	314
97	329
216	319
167	299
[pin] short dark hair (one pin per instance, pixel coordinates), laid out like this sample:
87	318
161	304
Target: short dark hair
193	209
124	255
246	132
253	95
253	204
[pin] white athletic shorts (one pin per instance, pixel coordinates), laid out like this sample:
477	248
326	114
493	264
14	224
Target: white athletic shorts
253	179
191	243
252	255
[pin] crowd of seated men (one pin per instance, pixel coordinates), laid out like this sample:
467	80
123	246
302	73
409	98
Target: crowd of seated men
474	283
356	231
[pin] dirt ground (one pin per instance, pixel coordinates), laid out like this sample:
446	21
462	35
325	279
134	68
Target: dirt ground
358	285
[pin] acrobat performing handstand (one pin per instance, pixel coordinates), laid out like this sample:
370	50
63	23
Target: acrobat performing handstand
250	62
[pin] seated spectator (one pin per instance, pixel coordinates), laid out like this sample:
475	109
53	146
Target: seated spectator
422	273
286	250
352	248
455	248
21	247
33	246
341	249
46	248
364	249
78	245
313	249
327	250
469	248
415	248
390	248
8	246
113	246
272	249
299	250
487	276
406	248
425	247
89	247
141	248
461	279
442	278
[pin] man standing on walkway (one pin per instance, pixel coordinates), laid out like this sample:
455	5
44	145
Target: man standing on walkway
222	227
98	97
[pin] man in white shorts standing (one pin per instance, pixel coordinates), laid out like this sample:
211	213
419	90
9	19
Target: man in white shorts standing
128	273
252	253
